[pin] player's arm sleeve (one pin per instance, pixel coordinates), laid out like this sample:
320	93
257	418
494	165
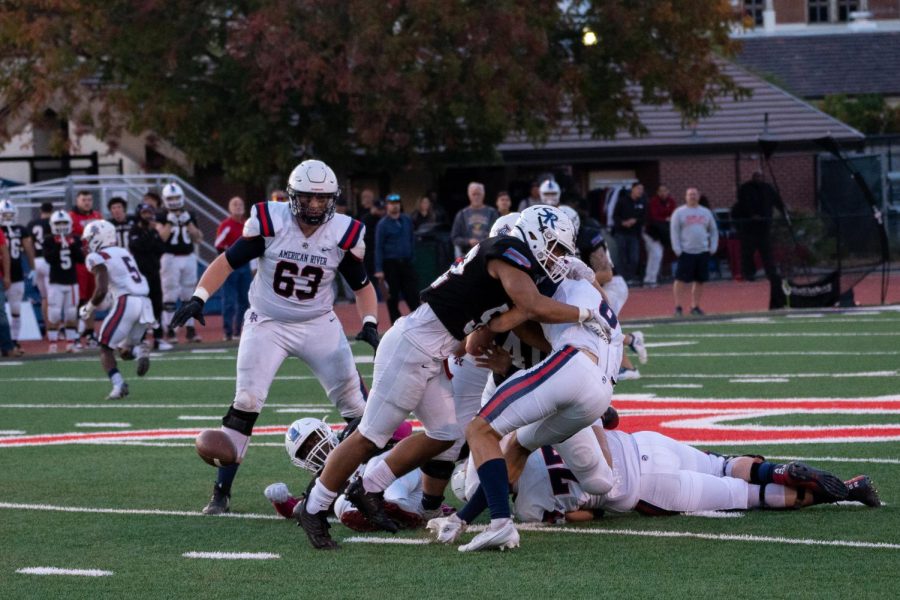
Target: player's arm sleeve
354	271
244	250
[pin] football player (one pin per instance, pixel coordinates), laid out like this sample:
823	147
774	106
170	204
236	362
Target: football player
40	230
83	213
593	250
178	265
550	403
411	365
19	240
63	252
130	312
301	246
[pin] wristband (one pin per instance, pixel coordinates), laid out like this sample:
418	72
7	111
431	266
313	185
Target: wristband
370	319
201	293
583	315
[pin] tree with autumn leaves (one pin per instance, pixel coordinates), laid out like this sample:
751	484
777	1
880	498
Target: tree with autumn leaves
254	85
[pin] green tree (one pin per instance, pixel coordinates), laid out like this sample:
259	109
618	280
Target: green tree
254	84
870	113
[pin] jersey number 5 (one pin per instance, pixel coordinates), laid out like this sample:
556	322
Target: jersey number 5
132	270
284	281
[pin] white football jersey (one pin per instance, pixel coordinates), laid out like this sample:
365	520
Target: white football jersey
547	489
584	295
294	279
626	458
124	276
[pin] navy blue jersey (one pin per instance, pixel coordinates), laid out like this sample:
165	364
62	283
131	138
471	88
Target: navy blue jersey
15	236
62	254
40	230
180	242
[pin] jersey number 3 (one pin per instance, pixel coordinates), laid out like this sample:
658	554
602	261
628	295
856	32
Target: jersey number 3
284	281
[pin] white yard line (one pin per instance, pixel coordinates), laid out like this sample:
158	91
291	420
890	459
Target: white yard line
670	344
304	410
769	375
359	539
209	351
163	406
677	386
11	363
198	418
759	380
781	334
12	432
772	353
839	459
132	511
121	425
232	555
59	571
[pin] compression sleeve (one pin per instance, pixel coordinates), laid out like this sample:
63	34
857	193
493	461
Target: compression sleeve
244	250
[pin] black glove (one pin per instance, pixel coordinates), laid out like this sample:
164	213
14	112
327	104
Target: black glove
191	308
369	334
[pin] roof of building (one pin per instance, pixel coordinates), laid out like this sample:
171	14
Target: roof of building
814	66
735	125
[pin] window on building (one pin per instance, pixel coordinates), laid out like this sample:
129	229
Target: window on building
845	7
818	10
753	9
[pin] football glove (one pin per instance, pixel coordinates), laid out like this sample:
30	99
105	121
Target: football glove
369	334
172	218
86	310
184	217
193	308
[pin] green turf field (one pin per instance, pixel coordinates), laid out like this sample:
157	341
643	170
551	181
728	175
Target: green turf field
132	506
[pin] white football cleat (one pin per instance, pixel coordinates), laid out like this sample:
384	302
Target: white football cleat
118	392
164	346
446	530
637	344
501	535
626	374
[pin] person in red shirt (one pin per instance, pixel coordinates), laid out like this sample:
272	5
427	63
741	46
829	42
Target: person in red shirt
237	286
82	214
656	232
6	344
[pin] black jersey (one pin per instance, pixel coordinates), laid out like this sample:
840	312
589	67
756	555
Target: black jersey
40	230
466	296
62	254
15	235
179	242
123	228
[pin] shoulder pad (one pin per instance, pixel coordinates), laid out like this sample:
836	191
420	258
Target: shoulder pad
261	221
352	234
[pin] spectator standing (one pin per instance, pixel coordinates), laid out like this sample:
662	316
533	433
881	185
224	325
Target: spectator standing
82	214
394	254
425	216
752	214
656	232
40	230
147	248
236	288
370	219
6	345
473	223
503	203
366	200
695	237
118	216
153	199
628	223
534	196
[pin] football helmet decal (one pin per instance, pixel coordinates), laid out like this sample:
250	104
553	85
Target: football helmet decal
550	236
504	225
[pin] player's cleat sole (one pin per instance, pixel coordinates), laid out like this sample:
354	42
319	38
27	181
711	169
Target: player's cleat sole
219	503
316	527
371	505
637	344
821	483
118	392
504	537
446	530
143	365
861	489
404	519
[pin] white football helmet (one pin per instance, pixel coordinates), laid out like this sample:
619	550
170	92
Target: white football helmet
99	234
573	216
504	225
8	212
458	481
308	443
546	230
173	196
60	223
550	192
312	178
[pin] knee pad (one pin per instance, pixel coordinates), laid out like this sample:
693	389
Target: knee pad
240	420
438	469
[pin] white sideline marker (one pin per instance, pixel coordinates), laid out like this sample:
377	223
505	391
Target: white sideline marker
122	425
58	571
232	555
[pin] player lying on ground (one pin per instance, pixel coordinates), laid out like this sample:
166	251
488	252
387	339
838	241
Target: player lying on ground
130	313
656	475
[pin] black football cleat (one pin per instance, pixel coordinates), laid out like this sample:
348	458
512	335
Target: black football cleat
863	490
824	486
143	365
371	505
219	504
316	527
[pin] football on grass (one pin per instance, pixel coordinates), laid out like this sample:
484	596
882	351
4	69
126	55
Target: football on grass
215	447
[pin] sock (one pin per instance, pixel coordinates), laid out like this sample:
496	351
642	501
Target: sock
378	478
82	327
225	477
495	481
116	377
320	498
190	322
167	317
430	502
52	335
767	472
474	507
15	326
